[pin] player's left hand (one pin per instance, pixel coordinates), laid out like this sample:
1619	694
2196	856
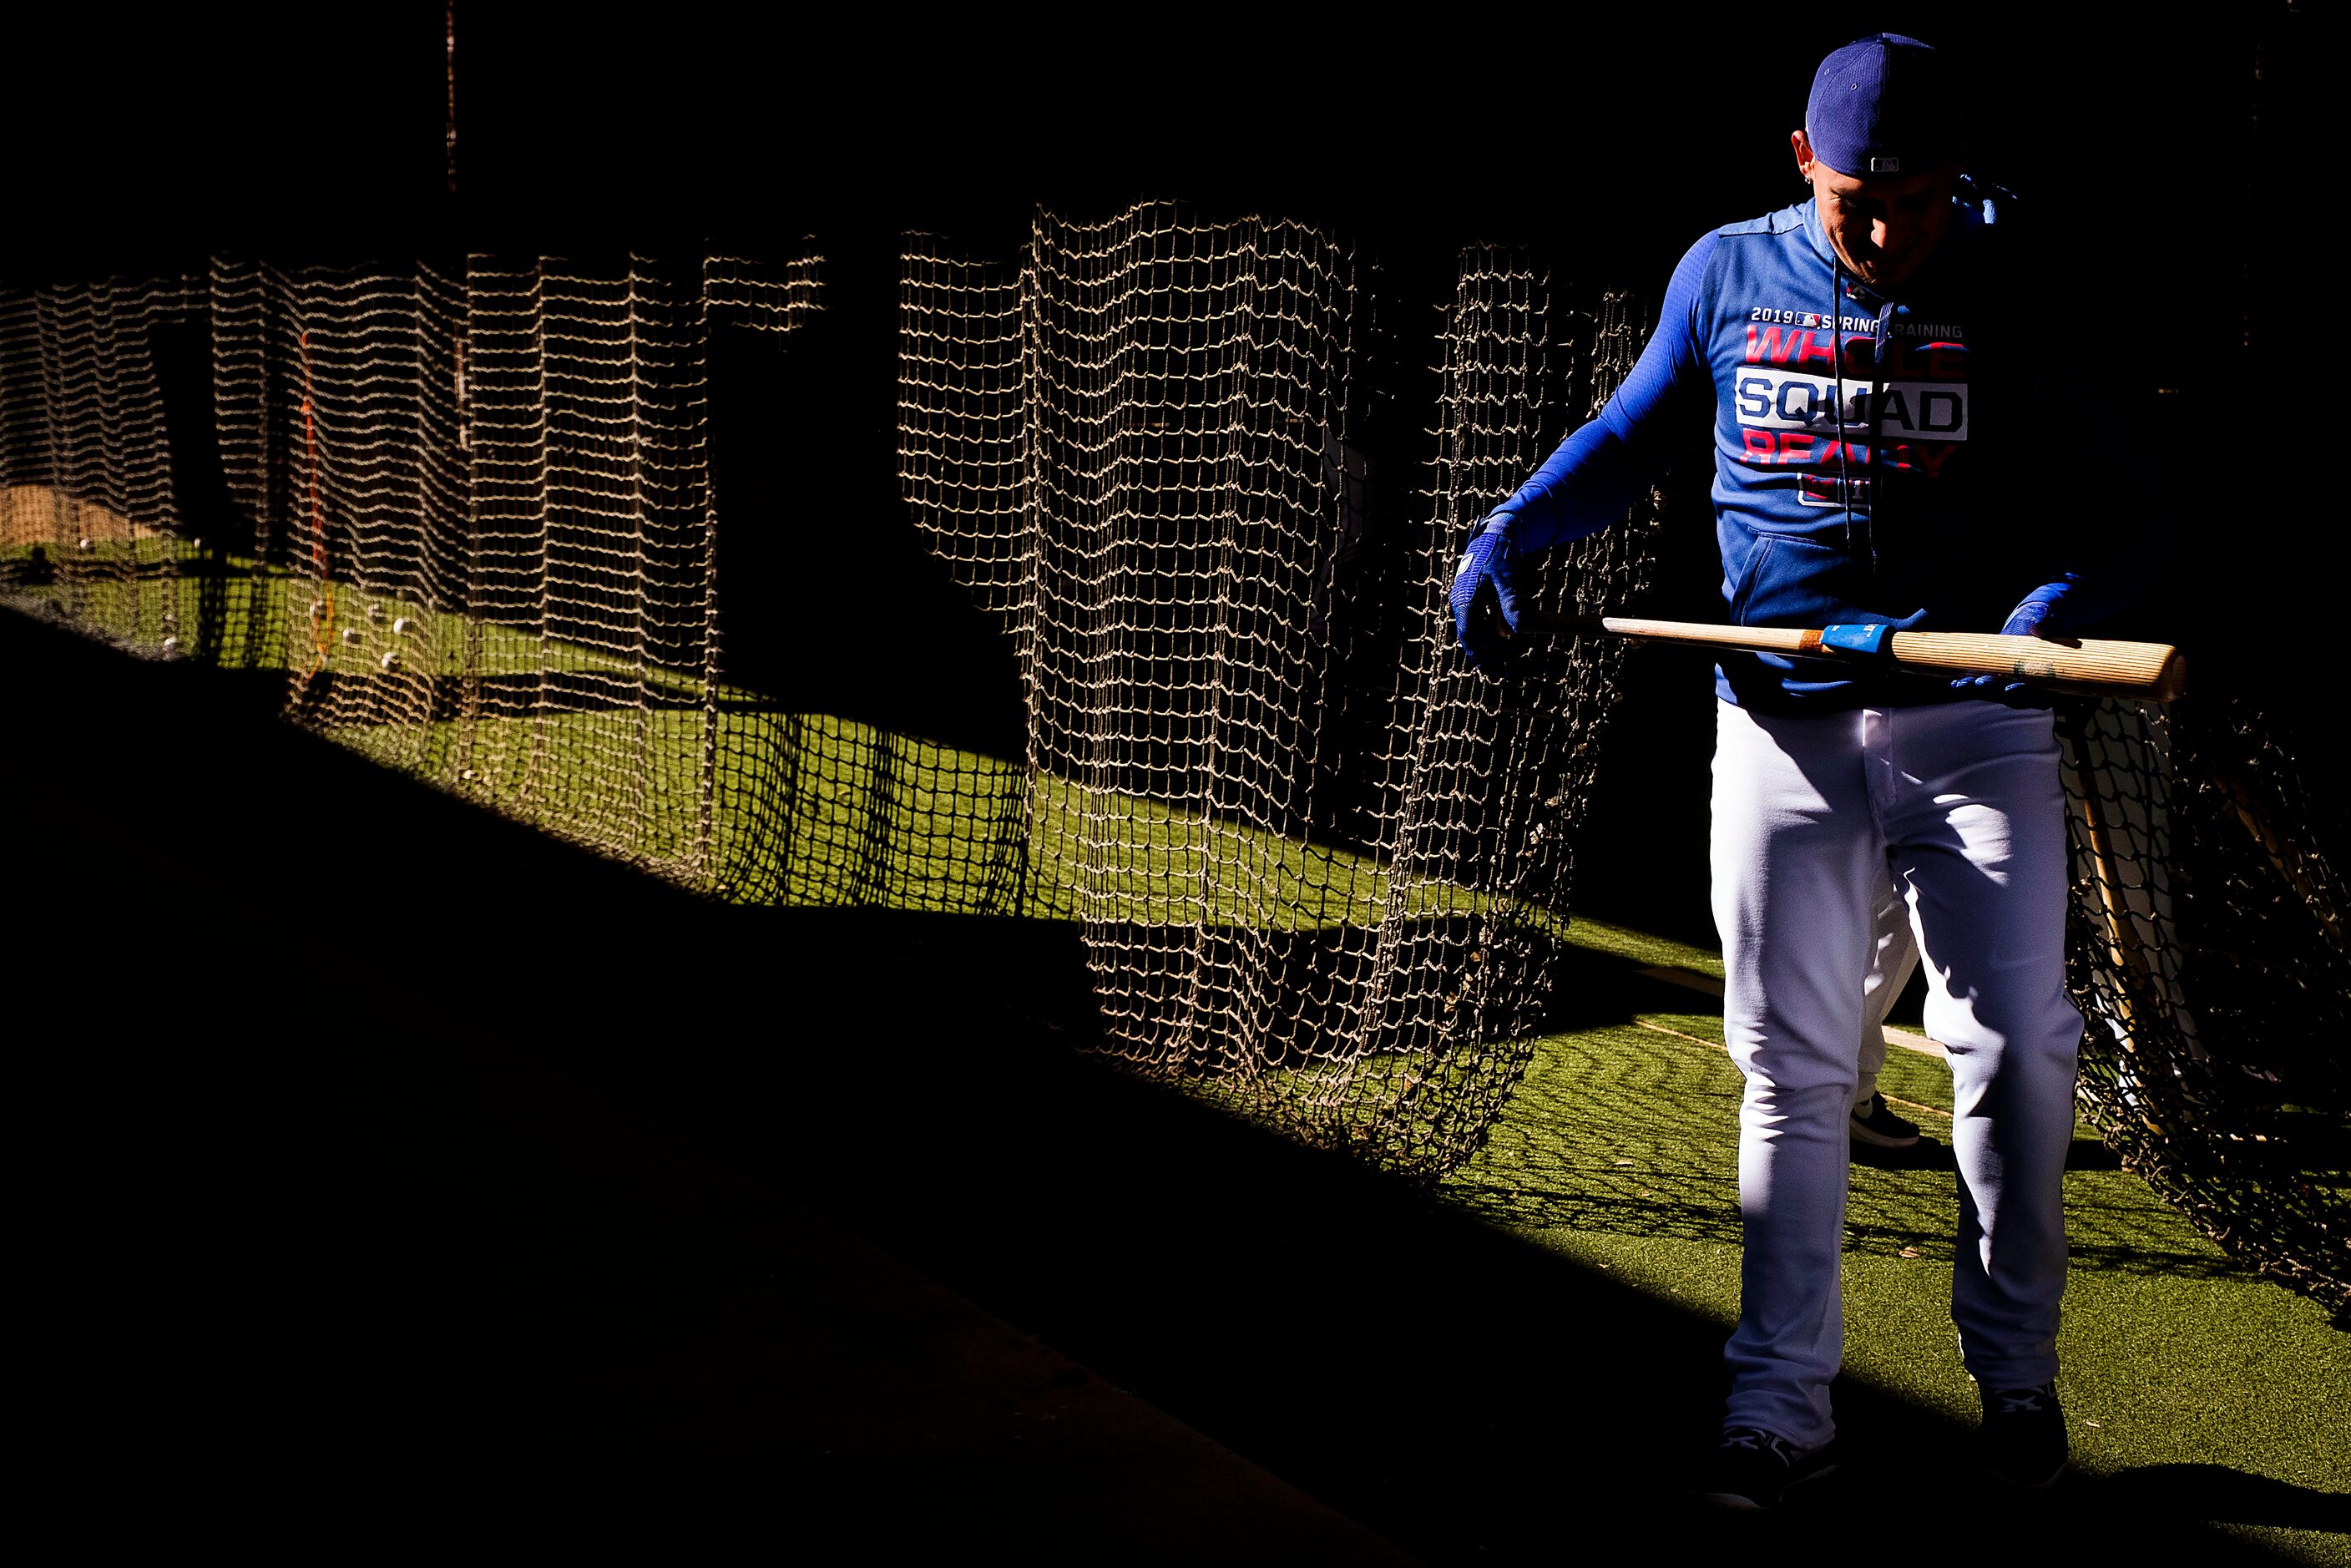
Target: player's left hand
2041	614
1484	598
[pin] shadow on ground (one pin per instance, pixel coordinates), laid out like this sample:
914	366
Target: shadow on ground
237	927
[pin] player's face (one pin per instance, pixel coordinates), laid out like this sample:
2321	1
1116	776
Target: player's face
1883	226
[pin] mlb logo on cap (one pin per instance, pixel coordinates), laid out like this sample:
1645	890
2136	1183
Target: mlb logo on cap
1882	104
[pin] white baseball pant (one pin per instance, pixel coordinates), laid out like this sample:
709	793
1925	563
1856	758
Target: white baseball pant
1893	955
1960	804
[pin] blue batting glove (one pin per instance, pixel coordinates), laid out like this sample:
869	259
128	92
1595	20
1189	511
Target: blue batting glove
2041	614
1484	598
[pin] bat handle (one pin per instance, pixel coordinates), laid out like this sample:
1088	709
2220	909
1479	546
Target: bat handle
1534	624
1486	620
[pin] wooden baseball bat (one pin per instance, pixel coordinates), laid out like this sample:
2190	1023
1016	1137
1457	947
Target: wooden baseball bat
2087	667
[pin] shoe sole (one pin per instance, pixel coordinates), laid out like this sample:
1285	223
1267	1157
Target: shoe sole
2012	1484
1745	1504
1879	1140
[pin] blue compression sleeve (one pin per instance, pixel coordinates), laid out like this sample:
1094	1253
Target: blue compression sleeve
1598	472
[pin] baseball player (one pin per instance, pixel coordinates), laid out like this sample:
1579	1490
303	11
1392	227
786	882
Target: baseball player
1885	449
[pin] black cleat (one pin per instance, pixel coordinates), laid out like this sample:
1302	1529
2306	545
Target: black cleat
1875	1125
1755	1470
2023	1439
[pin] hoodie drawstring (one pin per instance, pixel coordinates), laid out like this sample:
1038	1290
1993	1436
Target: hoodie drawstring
1881	355
1881	340
1836	358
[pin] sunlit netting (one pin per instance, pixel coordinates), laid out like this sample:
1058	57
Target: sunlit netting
1320	869
90	527
1501	770
2211	951
487	487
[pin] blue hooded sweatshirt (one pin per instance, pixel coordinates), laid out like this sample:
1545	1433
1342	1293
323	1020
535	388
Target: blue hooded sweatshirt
1903	457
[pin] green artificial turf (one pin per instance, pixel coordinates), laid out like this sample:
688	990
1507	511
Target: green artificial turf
1619	1151
802	809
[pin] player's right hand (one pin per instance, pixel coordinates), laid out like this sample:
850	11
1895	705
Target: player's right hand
2042	614
1485	597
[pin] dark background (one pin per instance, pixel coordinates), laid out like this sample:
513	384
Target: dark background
1617	141
2169	174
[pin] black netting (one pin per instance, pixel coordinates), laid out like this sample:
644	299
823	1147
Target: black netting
2209	952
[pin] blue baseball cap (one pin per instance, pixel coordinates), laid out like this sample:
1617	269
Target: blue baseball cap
1886	105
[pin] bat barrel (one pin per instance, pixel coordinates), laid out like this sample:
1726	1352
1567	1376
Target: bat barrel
2150	671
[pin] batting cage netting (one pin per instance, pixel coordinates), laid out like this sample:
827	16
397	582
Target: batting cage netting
89	515
1322	872
1255	778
